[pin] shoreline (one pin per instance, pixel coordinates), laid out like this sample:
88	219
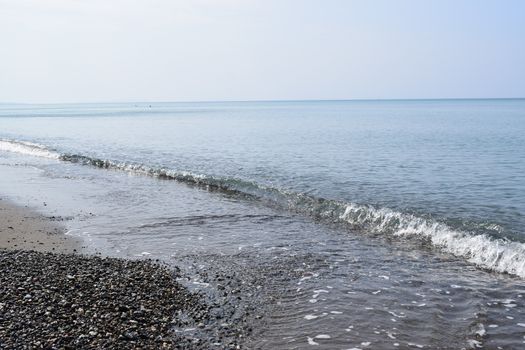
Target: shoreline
53	296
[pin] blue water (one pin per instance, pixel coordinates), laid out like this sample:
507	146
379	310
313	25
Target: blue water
436	178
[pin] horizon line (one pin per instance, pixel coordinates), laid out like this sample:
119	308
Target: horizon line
268	100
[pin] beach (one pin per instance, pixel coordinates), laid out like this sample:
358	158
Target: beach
24	229
270	175
291	225
53	296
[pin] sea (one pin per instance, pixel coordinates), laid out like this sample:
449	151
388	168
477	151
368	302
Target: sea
373	224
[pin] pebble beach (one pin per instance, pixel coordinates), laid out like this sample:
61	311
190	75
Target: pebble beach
54	297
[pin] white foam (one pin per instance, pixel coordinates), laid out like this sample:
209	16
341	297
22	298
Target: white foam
311	341
479	249
480	330
390	335
317	292
322	336
28	148
474	343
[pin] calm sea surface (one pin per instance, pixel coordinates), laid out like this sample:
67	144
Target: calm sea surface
384	223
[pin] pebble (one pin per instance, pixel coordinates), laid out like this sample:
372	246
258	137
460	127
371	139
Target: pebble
60	301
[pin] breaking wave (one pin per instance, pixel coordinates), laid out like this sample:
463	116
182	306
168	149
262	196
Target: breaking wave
496	254
28	148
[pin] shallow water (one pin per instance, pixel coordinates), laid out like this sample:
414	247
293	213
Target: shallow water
371	223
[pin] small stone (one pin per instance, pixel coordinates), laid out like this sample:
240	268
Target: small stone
131	335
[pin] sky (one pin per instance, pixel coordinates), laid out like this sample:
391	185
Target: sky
209	50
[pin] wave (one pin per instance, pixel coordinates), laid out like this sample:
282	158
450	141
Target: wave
28	148
496	254
499	255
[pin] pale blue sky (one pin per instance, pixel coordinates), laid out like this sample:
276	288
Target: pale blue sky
180	50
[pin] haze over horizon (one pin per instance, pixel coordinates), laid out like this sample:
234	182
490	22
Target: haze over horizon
123	51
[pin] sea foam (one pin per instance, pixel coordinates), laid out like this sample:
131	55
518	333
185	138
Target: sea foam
28	148
500	255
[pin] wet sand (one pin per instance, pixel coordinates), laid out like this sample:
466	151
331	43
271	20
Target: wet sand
24	229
